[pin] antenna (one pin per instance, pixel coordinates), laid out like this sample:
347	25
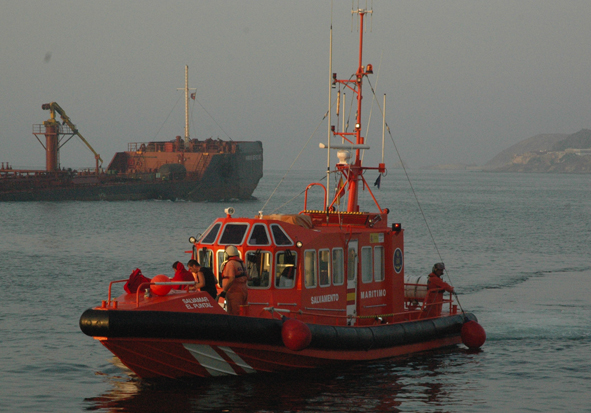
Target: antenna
330	84
344	115
371	18
383	127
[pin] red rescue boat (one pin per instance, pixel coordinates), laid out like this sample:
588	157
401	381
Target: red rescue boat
325	287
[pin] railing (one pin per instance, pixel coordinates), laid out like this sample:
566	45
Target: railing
306	195
422	311
107	304
425	304
171	283
410	313
402	316
39	128
114	304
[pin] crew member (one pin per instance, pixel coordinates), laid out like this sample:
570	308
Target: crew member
204	278
435	288
233	281
181	274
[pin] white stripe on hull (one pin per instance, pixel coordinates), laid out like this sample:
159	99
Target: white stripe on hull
214	363
236	359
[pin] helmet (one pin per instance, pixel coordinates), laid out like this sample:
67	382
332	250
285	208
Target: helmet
438	266
232	251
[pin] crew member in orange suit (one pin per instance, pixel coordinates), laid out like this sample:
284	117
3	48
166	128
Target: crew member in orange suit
435	288
233	281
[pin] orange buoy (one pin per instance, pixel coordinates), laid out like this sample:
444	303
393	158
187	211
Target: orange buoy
473	335
295	334
160	289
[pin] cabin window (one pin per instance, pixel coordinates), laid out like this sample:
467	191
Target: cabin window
324	267
378	263
222	258
233	234
366	265
310	268
285	269
259	235
258	268
205	257
337	267
220	261
279	236
351	264
211	234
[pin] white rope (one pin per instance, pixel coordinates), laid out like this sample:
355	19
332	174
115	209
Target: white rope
212	118
165	120
373	99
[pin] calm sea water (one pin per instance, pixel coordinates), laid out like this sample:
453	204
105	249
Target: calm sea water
517	248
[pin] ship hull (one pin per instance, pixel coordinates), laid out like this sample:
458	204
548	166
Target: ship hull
161	344
189	190
226	176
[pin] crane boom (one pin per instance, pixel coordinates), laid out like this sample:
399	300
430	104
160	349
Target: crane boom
53	107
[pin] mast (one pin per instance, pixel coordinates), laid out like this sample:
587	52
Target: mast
352	204
353	170
354	139
186	89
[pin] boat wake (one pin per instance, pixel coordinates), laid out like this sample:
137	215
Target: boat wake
520	278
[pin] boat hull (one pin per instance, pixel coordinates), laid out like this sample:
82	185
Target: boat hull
157	344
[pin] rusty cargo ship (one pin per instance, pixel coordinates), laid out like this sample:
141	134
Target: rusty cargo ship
179	169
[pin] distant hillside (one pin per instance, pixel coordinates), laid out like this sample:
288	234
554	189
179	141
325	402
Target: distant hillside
579	140
543	142
546	153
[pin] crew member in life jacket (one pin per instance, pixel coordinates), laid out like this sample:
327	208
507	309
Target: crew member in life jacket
233	281
204	278
435	288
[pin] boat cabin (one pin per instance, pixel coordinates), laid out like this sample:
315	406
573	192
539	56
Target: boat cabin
328	267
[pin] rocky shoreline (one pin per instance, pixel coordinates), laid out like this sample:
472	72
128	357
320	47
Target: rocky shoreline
546	154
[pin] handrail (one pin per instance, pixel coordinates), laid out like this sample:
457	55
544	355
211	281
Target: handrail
443	301
137	293
408	314
306	195
108	303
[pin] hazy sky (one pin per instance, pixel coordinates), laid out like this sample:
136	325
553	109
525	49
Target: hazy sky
464	79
